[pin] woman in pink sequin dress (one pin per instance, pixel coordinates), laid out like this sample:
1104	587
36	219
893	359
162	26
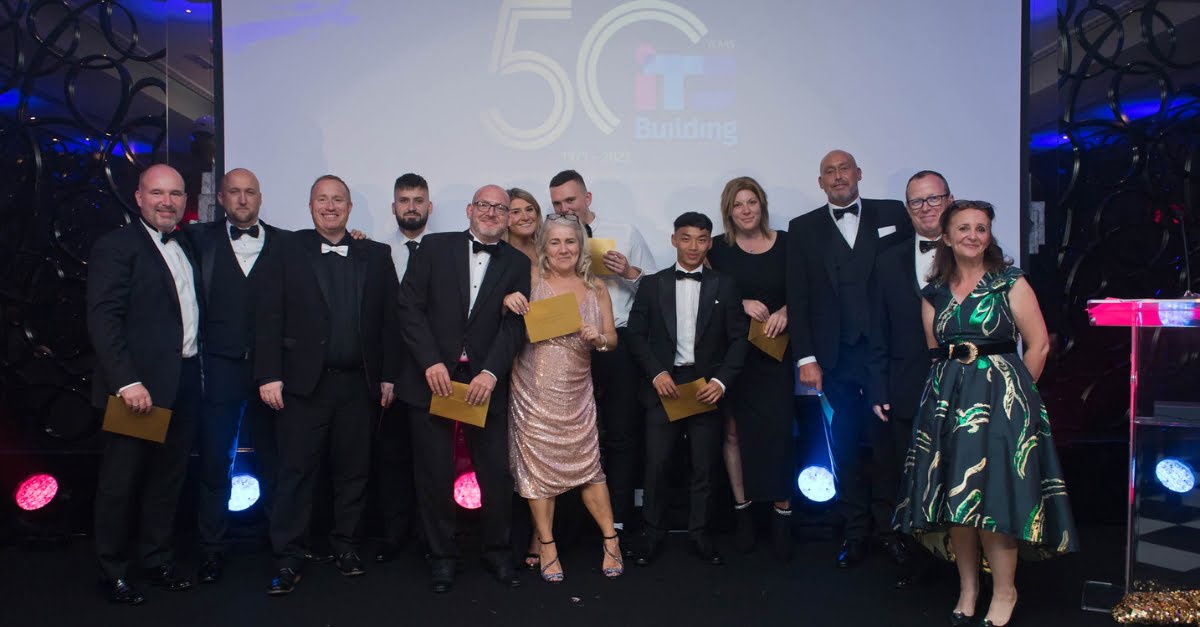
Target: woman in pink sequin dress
553	445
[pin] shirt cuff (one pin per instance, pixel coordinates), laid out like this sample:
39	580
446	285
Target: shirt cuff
123	388
806	360
492	374
718	382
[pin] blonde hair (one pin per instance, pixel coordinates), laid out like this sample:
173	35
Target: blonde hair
583	265
516	193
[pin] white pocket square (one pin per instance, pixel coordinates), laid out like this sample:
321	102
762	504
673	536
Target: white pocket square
885	231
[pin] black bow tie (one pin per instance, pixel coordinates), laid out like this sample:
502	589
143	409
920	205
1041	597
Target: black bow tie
166	237
838	213
680	275
927	245
236	233
479	247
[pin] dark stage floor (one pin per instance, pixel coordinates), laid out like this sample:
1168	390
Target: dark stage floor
57	587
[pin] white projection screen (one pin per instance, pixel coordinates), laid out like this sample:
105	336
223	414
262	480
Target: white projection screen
656	103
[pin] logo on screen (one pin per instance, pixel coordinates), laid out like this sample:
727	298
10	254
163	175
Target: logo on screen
691	90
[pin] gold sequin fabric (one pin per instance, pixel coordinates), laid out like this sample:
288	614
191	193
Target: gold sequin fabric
1164	607
553	445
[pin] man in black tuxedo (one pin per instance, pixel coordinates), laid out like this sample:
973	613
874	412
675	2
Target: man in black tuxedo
325	321
831	255
456	329
392	459
232	254
899	357
144	321
686	323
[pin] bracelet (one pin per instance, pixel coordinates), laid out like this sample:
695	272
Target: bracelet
603	347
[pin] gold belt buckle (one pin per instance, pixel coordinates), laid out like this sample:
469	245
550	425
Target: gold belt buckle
972	353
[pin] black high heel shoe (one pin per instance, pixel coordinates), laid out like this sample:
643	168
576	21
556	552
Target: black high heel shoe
958	619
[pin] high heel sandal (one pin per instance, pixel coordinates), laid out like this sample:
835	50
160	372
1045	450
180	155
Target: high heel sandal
550	577
612	572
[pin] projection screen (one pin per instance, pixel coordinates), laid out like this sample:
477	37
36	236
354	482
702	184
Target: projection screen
656	103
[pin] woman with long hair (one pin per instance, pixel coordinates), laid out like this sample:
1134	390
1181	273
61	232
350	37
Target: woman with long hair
524	220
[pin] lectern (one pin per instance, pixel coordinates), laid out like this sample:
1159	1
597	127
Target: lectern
1163	534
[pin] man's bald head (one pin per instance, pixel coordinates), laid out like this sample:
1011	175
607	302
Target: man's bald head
240	197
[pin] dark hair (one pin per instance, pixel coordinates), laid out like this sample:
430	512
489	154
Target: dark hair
922	174
693	219
329	177
732	188
411	181
566	176
944	264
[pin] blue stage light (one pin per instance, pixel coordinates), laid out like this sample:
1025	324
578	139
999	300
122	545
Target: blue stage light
816	484
244	492
1175	475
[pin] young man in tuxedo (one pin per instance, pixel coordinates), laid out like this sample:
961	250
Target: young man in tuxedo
144	321
831	256
231	255
325	321
455	328
613	372
392	459
899	358
686	323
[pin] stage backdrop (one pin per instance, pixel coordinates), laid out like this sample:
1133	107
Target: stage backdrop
656	103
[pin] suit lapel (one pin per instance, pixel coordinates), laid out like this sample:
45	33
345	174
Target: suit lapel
269	236
666	302
910	268
207	246
868	231
312	252
462	269
491	277
828	232
164	271
358	256
709	283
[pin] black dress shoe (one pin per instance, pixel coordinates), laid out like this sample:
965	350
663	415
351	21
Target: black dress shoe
627	549
386	553
317	557
650	546
502	569
349	564
897	550
210	571
164	577
442	576
958	619
703	548
119	591
853	552
284	582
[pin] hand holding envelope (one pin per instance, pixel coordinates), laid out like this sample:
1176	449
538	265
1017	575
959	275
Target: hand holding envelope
553	317
152	426
685	403
773	346
597	248
456	407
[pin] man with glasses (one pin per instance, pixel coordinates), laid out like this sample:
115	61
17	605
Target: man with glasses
392	461
831	256
455	329
614	373
899	357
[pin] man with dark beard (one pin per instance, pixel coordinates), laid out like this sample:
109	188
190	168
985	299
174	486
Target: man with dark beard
392	463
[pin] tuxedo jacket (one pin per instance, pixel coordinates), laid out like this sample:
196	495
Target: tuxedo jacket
292	321
814	316
133	315
721	329
899	358
436	326
230	309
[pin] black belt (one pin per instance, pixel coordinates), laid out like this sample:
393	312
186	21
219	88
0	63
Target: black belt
332	370
968	352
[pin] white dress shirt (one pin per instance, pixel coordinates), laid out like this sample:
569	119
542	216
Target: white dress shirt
924	261
247	248
848	225
479	264
629	242
687	310
400	252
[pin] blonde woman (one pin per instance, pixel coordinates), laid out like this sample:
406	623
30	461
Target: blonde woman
553	443
524	220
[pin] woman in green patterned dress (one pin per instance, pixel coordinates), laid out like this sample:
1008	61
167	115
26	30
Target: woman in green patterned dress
981	470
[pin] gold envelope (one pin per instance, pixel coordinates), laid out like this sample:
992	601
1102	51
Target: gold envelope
597	248
455	406
773	346
552	317
118	418
686	405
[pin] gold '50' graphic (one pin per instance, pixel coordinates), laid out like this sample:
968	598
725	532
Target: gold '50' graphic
506	60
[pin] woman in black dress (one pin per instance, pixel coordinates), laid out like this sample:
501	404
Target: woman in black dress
759	419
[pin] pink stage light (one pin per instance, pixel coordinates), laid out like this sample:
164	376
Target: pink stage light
466	491
36	491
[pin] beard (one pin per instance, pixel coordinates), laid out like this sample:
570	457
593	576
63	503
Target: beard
412	224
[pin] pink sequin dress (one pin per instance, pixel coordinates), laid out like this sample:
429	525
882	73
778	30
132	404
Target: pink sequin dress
553	445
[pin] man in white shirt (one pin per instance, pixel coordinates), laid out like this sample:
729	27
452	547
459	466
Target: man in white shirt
614	374
392	459
144	323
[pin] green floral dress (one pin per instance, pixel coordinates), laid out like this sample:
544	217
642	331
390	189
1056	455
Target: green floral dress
981	454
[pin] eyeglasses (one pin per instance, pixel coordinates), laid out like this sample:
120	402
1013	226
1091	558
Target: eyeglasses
569	217
485	206
932	201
